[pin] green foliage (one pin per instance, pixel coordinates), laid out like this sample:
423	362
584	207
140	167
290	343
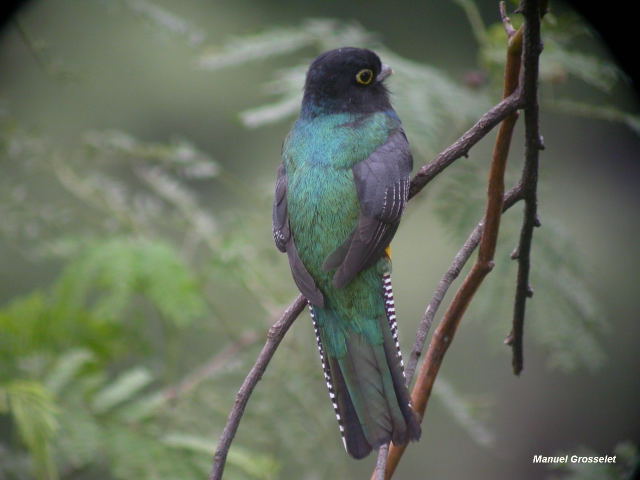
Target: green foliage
178	156
34	413
134	280
559	61
121	269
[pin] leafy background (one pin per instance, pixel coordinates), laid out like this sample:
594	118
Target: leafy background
139	141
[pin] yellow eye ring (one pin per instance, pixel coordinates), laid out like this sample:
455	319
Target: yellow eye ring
364	76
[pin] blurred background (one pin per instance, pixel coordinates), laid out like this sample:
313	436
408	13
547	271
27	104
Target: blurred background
139	141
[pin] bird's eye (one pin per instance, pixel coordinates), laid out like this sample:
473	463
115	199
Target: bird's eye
364	76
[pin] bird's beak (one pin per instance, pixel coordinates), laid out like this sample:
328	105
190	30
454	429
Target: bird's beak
385	71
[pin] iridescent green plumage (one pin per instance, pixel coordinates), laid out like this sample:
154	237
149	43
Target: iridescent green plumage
324	209
340	194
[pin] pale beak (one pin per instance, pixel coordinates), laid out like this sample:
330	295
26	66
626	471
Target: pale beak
385	71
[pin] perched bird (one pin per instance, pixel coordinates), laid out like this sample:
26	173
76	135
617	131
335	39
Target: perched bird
341	190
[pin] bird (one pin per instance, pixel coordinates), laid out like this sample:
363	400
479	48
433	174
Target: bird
341	189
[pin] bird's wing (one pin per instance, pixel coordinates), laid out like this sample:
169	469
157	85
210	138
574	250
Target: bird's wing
284	243
281	232
382	182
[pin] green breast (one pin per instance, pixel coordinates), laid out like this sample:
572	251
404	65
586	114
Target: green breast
322	199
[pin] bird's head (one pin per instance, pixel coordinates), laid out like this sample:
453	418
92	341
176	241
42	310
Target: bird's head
346	79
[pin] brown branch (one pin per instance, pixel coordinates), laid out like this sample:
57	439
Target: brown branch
533	12
510	198
459	261
275	335
443	335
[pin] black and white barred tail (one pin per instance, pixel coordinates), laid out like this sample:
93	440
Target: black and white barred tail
390	308
397	424
327	376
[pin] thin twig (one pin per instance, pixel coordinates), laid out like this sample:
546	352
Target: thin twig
443	286
34	50
275	335
506	21
533	144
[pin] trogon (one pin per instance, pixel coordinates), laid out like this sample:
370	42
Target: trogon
340	192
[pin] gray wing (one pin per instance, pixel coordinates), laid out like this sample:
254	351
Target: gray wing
281	232
382	182
284	242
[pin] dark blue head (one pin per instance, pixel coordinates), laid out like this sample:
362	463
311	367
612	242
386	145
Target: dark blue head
346	80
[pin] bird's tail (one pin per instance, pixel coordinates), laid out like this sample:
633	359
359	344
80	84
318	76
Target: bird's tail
367	385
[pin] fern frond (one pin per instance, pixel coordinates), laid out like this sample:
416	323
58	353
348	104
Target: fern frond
122	389
559	61
601	112
179	155
35	413
166	20
322	33
121	268
66	368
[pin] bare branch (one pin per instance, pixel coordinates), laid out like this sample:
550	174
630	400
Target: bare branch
533	12
443	335
506	21
511	198
275	335
443	286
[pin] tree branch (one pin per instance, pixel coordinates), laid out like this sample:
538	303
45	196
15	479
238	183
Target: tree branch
443	335
275	335
533	12
381	462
